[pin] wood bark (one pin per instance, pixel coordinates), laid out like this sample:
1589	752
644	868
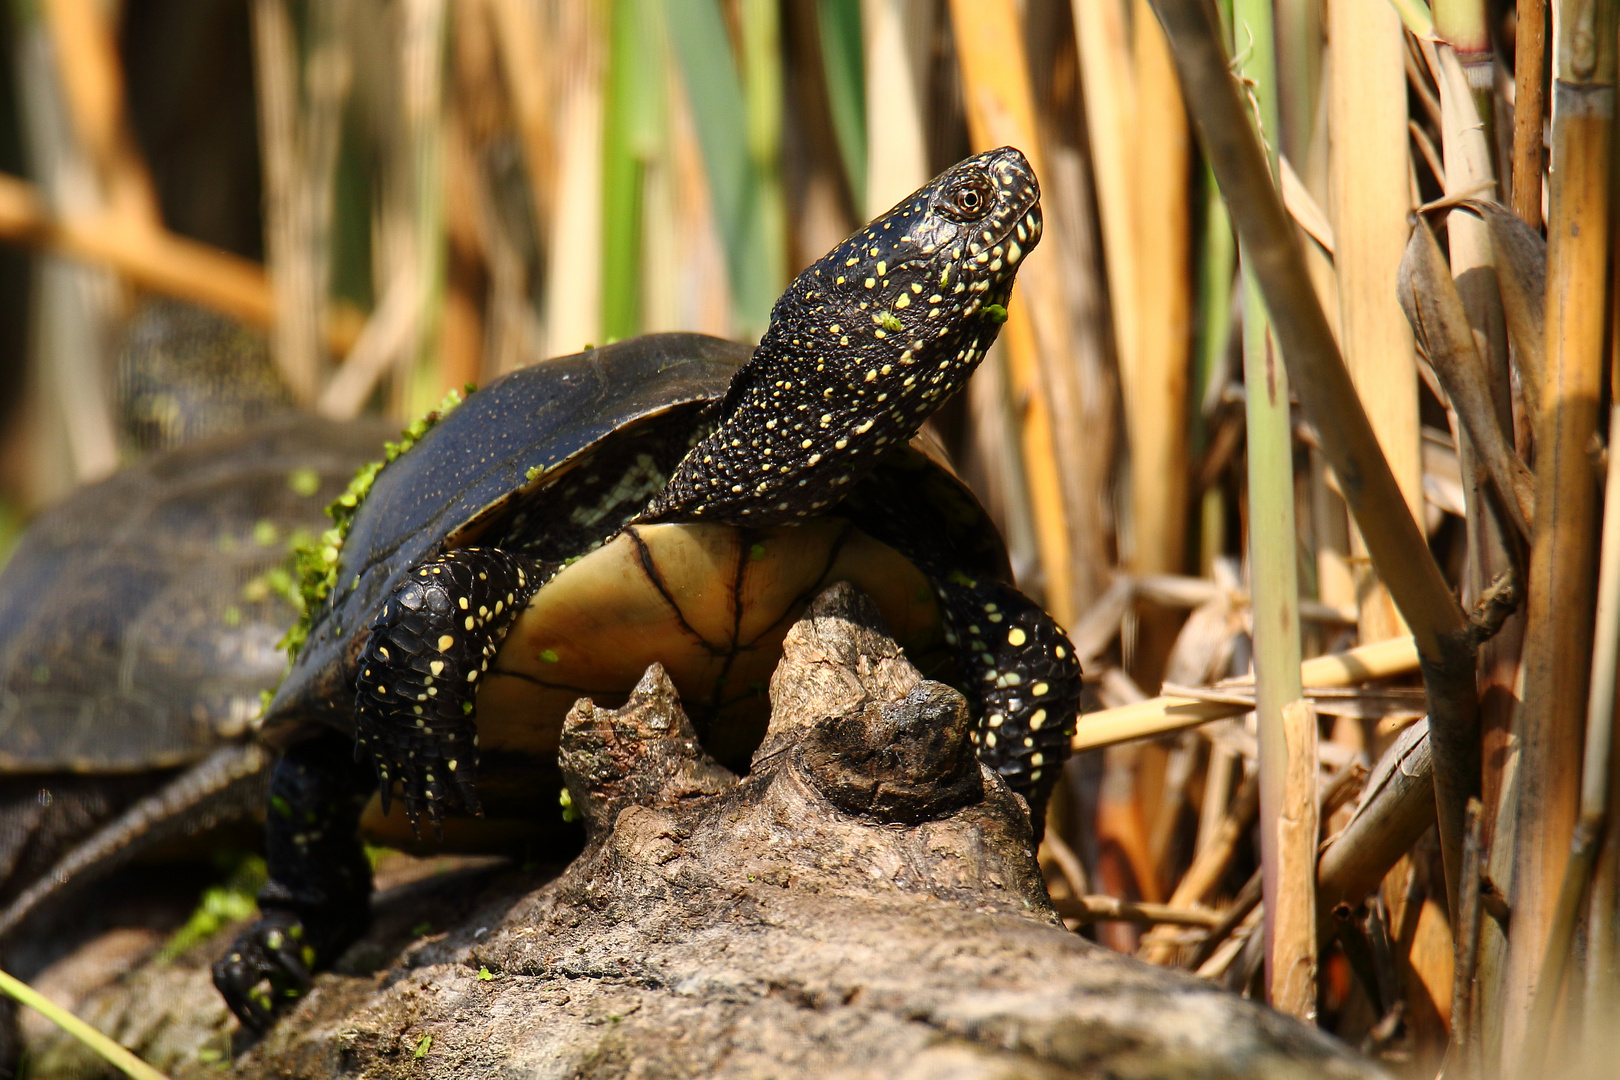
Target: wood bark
865	903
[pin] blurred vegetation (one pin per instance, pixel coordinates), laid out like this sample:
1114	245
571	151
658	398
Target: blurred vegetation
403	196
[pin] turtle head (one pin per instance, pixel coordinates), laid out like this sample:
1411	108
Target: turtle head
863	347
943	256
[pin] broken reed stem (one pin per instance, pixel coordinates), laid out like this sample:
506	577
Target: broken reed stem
1396	808
1595	778
1529	70
1398	548
1464	1033
1558	634
1294	944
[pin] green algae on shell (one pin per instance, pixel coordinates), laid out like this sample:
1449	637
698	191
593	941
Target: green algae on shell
315	559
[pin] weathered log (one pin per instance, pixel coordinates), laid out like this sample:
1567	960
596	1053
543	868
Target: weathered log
865	903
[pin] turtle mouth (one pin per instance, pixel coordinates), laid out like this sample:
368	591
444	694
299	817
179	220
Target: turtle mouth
991	254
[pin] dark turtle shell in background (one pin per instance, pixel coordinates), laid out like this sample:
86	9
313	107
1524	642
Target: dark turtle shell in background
138	626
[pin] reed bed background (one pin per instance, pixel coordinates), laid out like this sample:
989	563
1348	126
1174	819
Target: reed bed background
1316	363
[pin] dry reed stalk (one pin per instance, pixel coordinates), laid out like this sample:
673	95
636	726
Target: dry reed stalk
425	26
1243	905
573	283
1367	125
1159	715
1001	111
1602	976
1480	388
1421	942
525	51
1088	481
1299	71
1272	549
1330	526
706	298
1445	637
1155	380
381	343
1217	791
1529	72
73	308
1228	952
276	70
164	263
1558	635
1585	844
995	464
461	337
1108	79
821	204
1154	384
301	114
896	35
1520	256
1091	909
93	83
1209	865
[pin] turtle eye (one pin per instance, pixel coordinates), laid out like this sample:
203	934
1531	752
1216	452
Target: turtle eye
968	199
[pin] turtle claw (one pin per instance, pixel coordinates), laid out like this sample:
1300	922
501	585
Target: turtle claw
266	967
433	789
469	796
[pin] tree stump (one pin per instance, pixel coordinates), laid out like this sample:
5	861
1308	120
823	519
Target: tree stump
865	903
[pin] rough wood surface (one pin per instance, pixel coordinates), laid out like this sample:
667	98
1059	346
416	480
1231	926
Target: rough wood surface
865	903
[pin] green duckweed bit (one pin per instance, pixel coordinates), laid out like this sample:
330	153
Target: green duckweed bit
315	559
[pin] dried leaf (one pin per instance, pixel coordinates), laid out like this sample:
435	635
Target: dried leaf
1435	309
1520	255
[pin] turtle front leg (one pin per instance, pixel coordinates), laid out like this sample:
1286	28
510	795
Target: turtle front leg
318	898
1021	667
419	674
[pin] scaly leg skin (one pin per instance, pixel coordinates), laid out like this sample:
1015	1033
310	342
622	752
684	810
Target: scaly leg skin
318	899
1022	668
419	673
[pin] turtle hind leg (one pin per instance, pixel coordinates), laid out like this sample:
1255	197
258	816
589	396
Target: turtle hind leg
318	898
420	669
1021	668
